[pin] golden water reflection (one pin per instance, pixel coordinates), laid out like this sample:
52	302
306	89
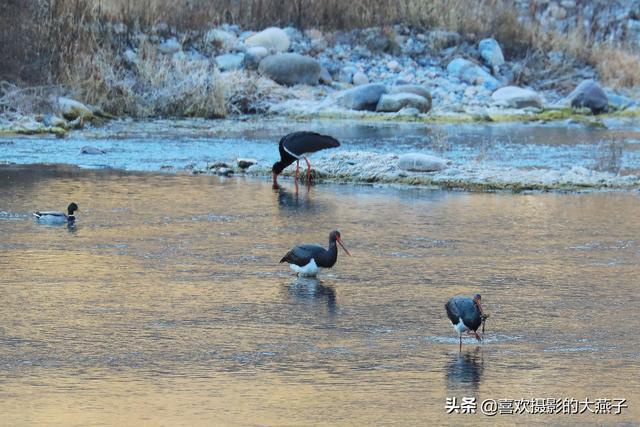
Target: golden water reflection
167	305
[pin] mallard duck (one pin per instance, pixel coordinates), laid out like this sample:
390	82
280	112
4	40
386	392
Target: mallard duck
49	217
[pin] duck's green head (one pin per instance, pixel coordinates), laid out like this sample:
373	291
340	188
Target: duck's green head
72	208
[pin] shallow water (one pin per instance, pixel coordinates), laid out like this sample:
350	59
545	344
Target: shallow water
177	144
166	303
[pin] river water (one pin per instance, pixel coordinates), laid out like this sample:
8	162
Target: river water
166	304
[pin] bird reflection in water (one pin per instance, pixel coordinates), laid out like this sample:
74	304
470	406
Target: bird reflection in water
310	289
465	369
294	200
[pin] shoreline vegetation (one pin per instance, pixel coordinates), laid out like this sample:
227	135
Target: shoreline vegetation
448	61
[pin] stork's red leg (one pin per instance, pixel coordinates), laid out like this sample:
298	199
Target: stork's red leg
297	168
308	169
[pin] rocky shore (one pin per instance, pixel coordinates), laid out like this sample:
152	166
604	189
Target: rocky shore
377	74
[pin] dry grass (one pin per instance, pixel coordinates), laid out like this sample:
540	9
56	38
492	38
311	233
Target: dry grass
154	85
250	93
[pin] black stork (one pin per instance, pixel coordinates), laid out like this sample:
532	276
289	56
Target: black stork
307	260
466	315
296	146
51	217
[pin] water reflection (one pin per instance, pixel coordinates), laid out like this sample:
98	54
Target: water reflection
311	289
466	369
299	198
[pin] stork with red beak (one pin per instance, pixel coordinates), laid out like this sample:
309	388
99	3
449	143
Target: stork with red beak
307	260
466	315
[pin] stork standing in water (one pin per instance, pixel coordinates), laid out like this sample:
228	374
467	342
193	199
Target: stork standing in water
296	146
466	315
307	260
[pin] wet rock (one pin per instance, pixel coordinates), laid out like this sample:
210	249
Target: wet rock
491	52
91	150
245	163
273	39
589	95
253	56
363	97
516	97
418	162
169	47
360	78
224	171
471	73
397	101
72	109
619	102
291	69
218	165
229	61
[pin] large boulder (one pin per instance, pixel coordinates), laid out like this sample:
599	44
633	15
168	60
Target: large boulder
589	95
273	38
408	88
72	109
398	101
517	97
363	97
229	61
253	56
418	162
290	69
491	52
439	39
360	78
472	73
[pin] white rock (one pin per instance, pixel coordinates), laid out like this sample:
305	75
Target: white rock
418	162
221	38
229	61
272	38
360	78
517	97
393	65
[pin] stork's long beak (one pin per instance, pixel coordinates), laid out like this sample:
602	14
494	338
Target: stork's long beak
480	307
339	240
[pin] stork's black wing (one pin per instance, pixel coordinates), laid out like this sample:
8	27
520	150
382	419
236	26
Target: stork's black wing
301	143
465	308
302	255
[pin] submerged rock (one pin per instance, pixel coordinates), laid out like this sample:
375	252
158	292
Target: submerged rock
363	97
245	163
291	69
589	95
397	101
273	39
418	162
517	97
91	150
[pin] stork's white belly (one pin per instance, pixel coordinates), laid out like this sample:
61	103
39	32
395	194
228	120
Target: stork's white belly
308	270
460	327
